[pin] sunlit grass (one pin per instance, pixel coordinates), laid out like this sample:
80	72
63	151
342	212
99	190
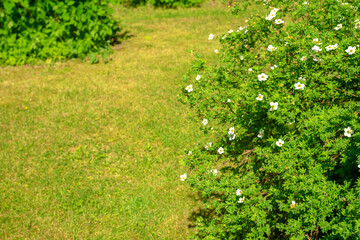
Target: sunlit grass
93	151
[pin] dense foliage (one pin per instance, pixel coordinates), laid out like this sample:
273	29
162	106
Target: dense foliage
281	110
163	3
51	29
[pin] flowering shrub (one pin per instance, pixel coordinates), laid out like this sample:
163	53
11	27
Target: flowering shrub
286	146
32	30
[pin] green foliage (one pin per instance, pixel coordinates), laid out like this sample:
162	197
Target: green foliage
176	3
163	3
309	186
53	30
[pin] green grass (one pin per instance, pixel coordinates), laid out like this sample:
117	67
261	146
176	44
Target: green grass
94	151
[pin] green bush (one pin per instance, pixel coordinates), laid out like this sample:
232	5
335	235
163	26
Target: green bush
281	112
176	3
31	30
163	3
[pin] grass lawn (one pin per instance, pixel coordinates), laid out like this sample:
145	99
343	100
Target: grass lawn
93	151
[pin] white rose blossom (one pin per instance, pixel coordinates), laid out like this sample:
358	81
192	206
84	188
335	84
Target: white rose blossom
260	97
232	136
271	48
348	131
238	192
273	106
221	150
338	27
261	133
273	67
262	77
183	177
208	145
317	41
189	88
299	86
214	172
280	143
316	48
279	21
350	50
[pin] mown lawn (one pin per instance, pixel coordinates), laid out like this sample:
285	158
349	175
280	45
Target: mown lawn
94	151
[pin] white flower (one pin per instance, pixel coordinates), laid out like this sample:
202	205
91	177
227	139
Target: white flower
316	48
238	192
220	150
241	58
211	36
262	77
317	41
216	51
223	37
328	47
260	97
189	153
232	136
273	67
189	88
231	133
286	43
183	177
292	204
198	77
350	50
214	172
230	31
271	48
241	200
280	143
261	134
273	106
205	121
335	46
245	31
338	27
359	166
302	78
299	86
303	58
348	131
279	21
275	10
357	25
268	18
228	100
317	59
208	145
231	130
305	3
250	69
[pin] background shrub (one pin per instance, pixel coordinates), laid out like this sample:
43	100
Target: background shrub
163	3
290	171
32	30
